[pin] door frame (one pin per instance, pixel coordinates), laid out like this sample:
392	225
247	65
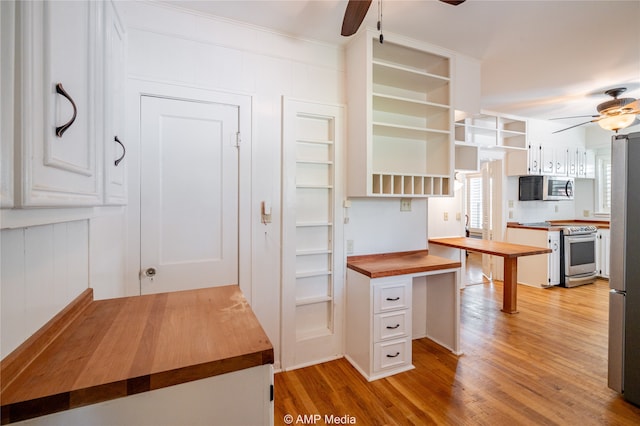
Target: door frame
137	88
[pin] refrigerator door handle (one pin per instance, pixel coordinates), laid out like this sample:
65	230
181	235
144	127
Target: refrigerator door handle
616	340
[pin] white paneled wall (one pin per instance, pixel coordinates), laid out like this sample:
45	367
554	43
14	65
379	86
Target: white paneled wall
43	269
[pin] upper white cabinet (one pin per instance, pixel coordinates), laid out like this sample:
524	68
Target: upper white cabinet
7	68
68	56
114	140
400	118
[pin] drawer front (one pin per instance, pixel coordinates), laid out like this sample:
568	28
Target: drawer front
392	354
391	325
391	297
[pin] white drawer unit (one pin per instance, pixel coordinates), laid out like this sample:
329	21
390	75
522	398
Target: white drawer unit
378	332
390	325
391	297
392	355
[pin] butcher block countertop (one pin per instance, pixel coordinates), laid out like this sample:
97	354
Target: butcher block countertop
557	225
399	263
95	351
497	248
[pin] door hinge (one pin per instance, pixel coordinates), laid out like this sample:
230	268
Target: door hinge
238	139
271	393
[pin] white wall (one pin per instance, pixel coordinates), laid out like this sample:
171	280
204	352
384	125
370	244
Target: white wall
378	226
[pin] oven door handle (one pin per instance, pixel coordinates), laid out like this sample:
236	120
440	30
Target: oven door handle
580	238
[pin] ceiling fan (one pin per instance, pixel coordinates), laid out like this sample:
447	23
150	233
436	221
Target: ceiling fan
615	114
357	10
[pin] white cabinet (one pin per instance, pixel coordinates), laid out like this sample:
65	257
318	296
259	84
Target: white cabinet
7	71
553	160
114	80
62	117
378	332
400	118
58	93
603	243
554	257
541	270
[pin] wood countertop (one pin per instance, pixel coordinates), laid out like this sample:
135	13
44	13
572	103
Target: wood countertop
497	248
556	225
399	263
94	351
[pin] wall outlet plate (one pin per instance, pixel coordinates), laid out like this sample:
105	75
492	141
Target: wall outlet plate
405	204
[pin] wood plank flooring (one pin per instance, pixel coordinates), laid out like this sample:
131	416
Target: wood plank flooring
546	365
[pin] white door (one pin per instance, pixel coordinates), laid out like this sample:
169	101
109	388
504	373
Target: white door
188	195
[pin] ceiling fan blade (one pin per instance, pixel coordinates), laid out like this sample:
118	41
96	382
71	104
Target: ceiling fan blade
567	128
453	2
354	15
575	116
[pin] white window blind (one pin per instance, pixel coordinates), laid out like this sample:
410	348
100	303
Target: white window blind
475	202
604	185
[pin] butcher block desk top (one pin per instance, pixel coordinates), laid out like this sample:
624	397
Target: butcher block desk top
510	253
401	263
94	351
497	248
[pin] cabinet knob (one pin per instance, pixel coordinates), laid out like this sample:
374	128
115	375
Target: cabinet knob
150	272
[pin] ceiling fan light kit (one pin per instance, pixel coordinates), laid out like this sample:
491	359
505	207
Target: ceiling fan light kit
617	122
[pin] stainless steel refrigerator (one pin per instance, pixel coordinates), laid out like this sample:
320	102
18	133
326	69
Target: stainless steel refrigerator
624	273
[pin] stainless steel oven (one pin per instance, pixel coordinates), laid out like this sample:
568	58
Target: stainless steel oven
578	256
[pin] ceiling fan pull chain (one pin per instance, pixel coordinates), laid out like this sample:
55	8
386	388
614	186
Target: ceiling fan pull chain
380	20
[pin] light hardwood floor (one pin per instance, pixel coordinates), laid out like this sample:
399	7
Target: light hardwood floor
545	365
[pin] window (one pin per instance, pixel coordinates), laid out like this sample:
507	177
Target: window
475	202
603	185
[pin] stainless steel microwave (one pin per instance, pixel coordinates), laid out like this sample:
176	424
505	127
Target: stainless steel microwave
545	188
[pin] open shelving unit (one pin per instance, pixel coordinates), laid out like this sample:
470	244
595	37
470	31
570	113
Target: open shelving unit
488	131
400	119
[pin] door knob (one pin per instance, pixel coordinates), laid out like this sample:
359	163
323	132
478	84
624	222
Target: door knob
150	272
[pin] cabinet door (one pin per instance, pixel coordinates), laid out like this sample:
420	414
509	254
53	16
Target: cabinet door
535	153
115	163
7	67
560	158
602	251
581	160
554	258
547	160
59	164
572	162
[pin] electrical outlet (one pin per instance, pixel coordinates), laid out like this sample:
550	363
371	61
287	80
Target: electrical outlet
458	216
556	208
510	214
586	213
446	216
405	204
510	204
349	246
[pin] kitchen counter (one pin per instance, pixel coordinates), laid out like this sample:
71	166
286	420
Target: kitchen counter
556	225
399	263
96	351
510	253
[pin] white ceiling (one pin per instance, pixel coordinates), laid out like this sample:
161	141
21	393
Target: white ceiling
539	58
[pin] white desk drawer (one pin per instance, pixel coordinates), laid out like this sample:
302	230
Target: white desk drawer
391	325
391	354
391	296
